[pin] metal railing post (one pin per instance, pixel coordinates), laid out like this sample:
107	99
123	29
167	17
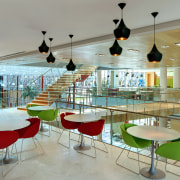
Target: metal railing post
111	128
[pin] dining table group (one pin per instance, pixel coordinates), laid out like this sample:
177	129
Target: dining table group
152	133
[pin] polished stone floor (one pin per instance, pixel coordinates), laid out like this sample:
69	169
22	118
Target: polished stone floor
59	162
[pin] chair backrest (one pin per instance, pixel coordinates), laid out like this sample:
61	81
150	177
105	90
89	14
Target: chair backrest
128	139
32	112
7	138
131	140
92	128
68	124
56	113
68	113
170	150
31	130
48	115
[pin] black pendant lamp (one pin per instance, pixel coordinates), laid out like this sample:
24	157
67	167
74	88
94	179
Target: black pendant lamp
71	66
154	56
43	48
122	32
115	50
50	58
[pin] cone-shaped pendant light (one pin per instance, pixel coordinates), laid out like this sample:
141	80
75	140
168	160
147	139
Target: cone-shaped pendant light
71	66
43	48
115	50
154	56
50	58
122	32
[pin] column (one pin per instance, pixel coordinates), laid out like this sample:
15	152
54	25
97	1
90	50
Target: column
74	88
99	82
163	86
163	83
42	84
176	78
17	86
112	85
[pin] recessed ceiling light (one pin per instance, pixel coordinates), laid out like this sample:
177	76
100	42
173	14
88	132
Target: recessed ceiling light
178	44
165	46
133	50
98	54
172	59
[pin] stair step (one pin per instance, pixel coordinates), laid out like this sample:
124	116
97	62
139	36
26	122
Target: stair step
41	98
21	108
43	95
41	101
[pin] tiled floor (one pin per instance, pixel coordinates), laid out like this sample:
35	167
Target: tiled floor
59	162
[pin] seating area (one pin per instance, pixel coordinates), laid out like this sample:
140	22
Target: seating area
58	162
90	90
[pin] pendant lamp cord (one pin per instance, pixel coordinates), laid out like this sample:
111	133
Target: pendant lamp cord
71	47
154	30
122	14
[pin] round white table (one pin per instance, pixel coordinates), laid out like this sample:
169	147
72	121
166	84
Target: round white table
41	108
82	118
11	125
153	133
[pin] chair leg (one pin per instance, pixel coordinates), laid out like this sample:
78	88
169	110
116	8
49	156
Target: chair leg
60	138
57	126
33	138
122	165
171	171
74	139
106	150
136	159
93	156
39	144
4	174
2	164
94	148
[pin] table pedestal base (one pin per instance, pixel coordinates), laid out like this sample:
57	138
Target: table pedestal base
158	174
10	160
82	148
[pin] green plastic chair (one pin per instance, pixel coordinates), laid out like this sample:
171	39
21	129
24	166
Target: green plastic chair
169	150
49	116
30	112
131	141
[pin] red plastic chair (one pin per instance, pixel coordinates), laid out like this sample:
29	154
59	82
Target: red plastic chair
93	129
30	132
67	125
7	138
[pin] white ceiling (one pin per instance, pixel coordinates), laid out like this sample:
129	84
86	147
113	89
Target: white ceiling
91	23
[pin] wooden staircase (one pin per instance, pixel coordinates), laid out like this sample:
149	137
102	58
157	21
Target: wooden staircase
54	91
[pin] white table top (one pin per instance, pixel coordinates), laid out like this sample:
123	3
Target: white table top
153	133
82	117
12	124
41	108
